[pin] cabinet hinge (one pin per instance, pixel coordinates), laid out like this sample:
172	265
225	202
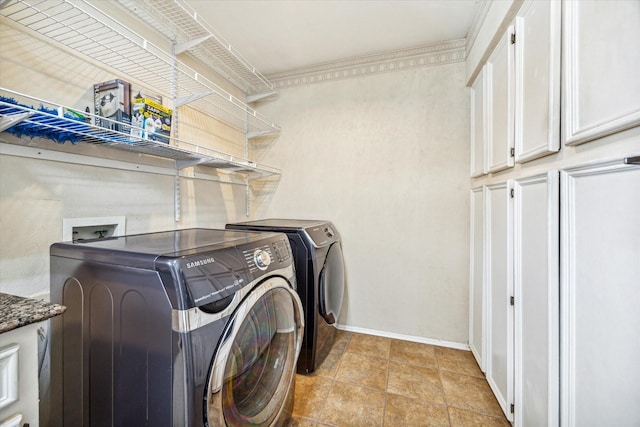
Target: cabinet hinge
512	300
513	38
512	193
512	152
513	408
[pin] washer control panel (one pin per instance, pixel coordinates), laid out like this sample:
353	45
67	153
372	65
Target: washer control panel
261	257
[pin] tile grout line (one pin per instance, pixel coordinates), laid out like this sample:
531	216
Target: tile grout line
333	380
386	386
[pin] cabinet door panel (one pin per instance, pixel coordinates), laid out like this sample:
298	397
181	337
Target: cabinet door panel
499	277
477	125
601	63
537	80
600	300
499	105
536	289
477	293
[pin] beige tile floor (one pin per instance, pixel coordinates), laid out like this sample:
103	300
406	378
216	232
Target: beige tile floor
374	381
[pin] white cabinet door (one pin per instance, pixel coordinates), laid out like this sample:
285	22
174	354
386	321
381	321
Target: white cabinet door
600	300
477	313
601	67
477	125
499	285
536	290
537	80
499	105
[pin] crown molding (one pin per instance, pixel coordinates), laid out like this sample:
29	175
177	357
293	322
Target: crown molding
399	60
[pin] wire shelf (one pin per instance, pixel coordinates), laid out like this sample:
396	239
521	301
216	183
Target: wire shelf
83	28
56	122
180	23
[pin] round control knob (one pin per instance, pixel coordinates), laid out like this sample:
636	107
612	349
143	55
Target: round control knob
329	232
262	259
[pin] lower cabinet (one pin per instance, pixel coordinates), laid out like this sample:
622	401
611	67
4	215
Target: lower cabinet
518	245
477	293
18	374
600	300
555	285
536	299
499	287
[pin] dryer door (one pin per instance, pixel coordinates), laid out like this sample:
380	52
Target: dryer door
331	284
254	368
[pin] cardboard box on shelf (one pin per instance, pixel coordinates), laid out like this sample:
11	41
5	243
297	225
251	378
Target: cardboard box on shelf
112	103
151	120
138	91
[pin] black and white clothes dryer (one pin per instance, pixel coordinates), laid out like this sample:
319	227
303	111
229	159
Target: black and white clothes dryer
180	328
317	251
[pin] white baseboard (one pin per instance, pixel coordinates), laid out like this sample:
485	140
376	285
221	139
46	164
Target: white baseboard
441	343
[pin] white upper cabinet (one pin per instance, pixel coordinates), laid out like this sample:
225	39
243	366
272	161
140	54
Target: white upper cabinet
537	80
601	68
499	105
477	125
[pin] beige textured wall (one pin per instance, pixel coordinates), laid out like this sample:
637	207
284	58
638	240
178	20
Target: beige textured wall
385	157
37	193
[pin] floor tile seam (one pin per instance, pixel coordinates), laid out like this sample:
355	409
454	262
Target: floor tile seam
484	414
452	405
418	399
444	394
366	353
464	374
386	393
359	385
414	364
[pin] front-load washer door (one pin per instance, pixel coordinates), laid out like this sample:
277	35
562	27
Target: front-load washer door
252	374
331	285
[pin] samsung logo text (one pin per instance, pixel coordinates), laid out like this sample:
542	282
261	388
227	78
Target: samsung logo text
200	262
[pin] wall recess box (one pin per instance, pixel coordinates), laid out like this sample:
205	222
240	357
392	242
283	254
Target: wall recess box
92	228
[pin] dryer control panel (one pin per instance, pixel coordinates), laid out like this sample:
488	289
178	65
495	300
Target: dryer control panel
322	234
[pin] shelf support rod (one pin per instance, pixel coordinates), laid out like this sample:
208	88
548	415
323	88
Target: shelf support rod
182	47
181	164
177	196
182	100
256	134
258	96
8	120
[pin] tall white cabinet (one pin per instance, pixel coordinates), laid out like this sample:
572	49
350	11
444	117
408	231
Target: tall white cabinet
477	292
601	295
499	277
536	295
558	297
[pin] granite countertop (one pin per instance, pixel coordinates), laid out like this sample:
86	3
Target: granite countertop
19	311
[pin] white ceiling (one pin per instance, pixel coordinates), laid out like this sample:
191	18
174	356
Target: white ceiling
282	35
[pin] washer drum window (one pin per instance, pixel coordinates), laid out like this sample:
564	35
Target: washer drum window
252	373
